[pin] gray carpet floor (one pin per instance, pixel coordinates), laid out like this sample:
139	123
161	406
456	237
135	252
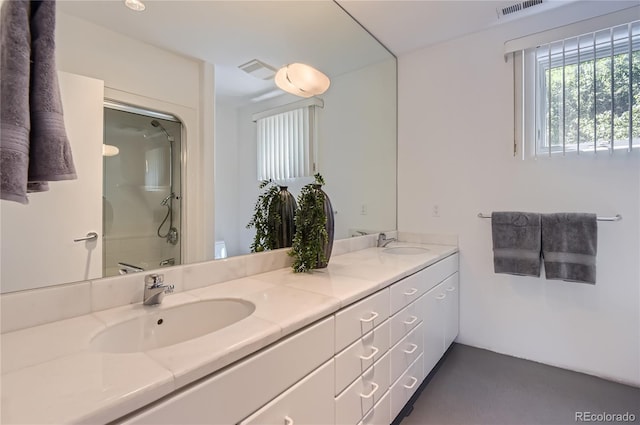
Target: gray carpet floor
475	386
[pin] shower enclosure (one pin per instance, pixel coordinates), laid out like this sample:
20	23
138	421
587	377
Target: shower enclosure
141	190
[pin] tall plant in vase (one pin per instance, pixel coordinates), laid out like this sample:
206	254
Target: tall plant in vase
273	218
313	239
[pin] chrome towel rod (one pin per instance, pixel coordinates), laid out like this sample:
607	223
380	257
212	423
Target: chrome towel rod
617	217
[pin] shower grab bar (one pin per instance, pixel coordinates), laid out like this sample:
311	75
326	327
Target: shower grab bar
617	217
91	236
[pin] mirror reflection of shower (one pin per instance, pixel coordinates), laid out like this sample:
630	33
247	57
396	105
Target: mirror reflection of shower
141	190
172	233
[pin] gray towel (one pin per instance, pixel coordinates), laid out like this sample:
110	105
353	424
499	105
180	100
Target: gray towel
50	156
569	246
516	243
15	63
34	147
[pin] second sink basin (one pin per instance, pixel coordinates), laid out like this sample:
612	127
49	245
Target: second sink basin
161	328
405	250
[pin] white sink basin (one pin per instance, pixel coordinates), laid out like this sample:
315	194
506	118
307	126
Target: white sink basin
161	328
405	250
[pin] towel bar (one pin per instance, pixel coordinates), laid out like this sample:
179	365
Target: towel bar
617	217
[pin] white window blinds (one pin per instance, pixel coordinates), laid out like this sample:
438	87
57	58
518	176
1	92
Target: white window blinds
580	94
286	144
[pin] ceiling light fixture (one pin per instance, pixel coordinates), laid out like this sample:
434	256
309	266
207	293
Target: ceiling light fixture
110	150
302	80
136	5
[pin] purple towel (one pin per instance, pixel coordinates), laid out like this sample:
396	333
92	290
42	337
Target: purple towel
34	147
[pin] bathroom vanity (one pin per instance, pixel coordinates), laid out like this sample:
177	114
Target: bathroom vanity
349	344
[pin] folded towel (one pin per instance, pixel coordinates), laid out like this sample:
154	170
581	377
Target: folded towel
15	63
34	147
50	156
516	243
569	246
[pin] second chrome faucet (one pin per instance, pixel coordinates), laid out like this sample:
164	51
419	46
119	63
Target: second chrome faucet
155	289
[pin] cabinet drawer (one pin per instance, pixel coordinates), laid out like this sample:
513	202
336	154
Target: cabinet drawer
228	396
356	320
310	401
359	356
436	273
405	352
359	397
402	390
406	291
405	320
381	413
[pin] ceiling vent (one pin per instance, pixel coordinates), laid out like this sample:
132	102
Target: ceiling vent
516	8
259	69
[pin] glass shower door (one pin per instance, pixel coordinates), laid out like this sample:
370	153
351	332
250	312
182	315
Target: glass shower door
141	192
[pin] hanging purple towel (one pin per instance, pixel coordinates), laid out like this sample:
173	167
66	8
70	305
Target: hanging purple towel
569	246
34	147
15	63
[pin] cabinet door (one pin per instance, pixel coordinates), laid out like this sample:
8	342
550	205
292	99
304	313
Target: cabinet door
359	398
310	401
402	390
452	309
433	325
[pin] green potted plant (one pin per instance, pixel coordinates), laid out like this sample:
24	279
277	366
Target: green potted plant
313	239
273	217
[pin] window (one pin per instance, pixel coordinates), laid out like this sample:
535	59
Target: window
581	94
286	141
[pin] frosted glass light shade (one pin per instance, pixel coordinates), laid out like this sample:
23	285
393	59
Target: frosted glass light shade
302	80
136	5
110	150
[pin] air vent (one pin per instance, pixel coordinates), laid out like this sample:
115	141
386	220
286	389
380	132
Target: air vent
517	7
258	69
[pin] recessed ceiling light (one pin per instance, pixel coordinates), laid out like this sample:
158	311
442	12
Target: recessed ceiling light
136	5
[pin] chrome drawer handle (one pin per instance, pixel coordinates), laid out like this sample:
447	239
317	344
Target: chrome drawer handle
451	289
412	350
413	384
410	292
374	351
411	321
441	297
288	420
373	391
373	317
91	236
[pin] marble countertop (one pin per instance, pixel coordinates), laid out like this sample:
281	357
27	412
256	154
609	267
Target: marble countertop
51	375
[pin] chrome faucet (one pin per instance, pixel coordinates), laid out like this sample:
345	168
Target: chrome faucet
155	289
384	241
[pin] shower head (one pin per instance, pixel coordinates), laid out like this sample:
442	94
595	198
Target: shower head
157	124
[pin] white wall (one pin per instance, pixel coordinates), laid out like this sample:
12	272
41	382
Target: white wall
356	155
148	76
455	151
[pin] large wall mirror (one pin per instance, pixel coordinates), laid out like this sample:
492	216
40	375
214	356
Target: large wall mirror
178	98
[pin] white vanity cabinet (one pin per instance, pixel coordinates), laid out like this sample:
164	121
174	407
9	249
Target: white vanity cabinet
441	309
359	366
232	394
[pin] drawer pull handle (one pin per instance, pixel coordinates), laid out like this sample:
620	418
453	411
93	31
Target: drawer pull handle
288	420
411	321
373	317
410	292
441	297
412	350
374	351
451	288
413	384
374	387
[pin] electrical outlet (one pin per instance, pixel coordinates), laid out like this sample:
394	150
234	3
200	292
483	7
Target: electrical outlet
363	209
435	212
